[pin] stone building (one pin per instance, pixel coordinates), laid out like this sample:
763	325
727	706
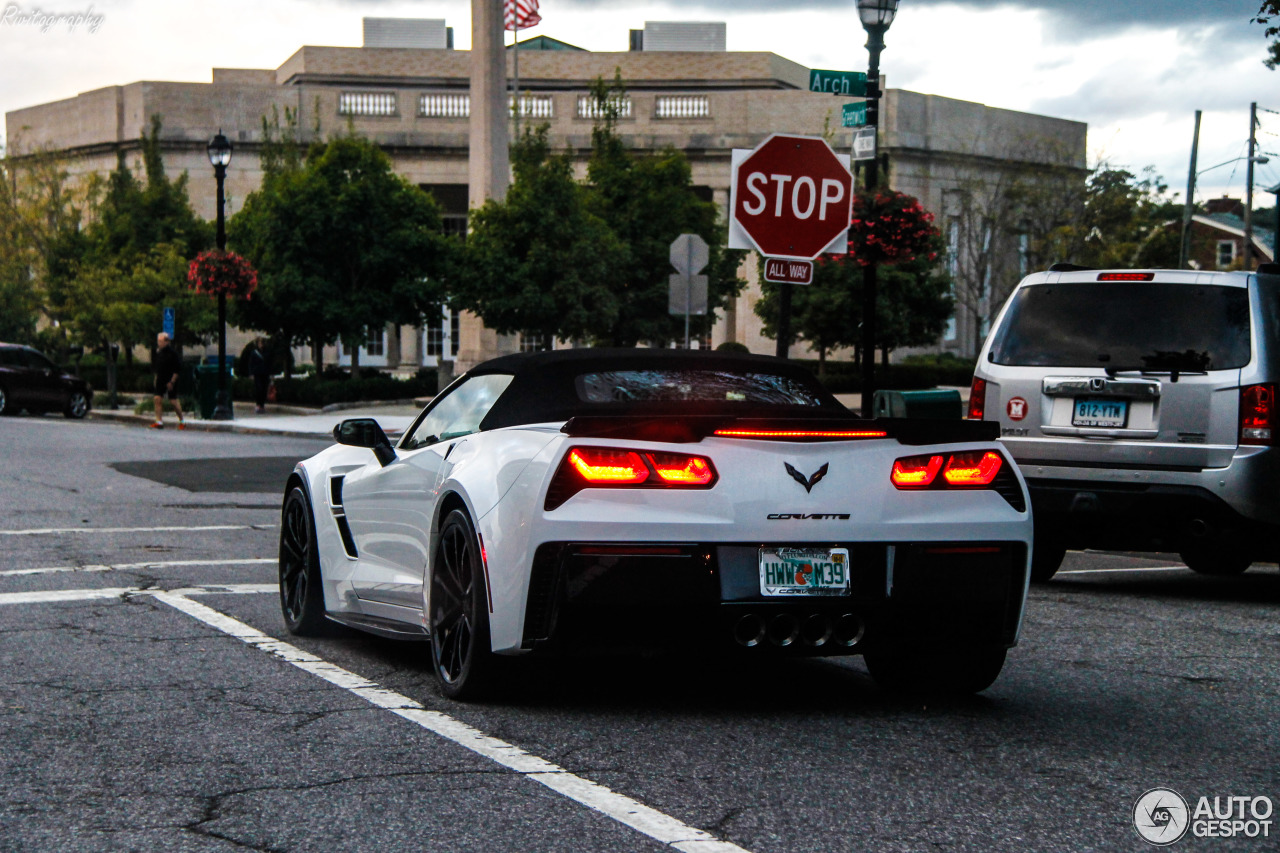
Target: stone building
414	102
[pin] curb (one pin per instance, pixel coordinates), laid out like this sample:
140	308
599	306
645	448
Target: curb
143	421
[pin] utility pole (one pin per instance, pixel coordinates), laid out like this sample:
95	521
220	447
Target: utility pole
1189	208
1248	192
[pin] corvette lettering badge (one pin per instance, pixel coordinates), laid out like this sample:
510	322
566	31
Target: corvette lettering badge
807	482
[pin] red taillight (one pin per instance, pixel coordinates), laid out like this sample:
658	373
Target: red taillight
972	469
679	469
616	467
1127	277
977	399
1257	414
603	465
915	472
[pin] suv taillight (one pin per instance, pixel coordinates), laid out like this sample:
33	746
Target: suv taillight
1257	414
977	399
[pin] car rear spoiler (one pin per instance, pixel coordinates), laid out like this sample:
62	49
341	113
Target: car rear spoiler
692	429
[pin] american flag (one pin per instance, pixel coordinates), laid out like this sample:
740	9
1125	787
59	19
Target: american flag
520	14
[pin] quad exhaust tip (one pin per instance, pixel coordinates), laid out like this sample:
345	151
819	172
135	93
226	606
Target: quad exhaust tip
786	629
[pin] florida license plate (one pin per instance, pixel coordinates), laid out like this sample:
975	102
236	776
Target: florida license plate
804	571
1093	412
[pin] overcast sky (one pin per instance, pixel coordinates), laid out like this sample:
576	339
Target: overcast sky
1134	71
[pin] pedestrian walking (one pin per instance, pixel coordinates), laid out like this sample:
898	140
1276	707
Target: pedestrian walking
166	365
260	370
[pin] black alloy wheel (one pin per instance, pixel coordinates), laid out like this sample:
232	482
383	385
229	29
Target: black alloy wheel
77	405
460	649
301	594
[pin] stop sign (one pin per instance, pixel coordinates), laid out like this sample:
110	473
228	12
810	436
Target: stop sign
792	196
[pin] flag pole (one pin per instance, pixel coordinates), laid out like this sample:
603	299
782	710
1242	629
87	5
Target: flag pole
516	47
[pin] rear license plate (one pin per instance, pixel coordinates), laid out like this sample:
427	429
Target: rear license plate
804	571
1092	412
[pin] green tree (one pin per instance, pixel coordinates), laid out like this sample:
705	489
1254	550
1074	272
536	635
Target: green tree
648	200
341	242
1267	12
539	261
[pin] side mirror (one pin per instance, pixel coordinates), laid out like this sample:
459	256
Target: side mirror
365	432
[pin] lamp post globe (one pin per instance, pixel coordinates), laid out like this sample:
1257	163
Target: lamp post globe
876	16
220	156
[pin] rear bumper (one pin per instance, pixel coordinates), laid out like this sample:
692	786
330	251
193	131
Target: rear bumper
708	595
1140	516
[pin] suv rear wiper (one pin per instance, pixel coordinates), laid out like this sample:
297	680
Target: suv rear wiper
1167	361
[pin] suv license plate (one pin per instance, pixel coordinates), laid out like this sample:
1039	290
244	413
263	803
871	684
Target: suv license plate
804	571
1092	412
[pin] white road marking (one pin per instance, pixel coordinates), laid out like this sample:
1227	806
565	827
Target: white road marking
1117	570
629	812
120	567
51	531
46	596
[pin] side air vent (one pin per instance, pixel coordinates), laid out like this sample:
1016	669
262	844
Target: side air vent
335	491
340	516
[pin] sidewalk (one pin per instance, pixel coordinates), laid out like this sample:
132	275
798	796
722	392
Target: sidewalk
394	418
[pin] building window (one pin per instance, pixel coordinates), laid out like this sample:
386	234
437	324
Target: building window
532	106
367	104
953	266
376	343
441	337
534	342
589	107
1226	253
373	353
444	105
682	106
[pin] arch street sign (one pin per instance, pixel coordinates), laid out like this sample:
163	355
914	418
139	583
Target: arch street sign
790	197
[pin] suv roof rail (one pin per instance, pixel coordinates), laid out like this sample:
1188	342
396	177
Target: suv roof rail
1069	268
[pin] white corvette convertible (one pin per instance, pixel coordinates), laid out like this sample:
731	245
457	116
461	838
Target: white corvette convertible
639	497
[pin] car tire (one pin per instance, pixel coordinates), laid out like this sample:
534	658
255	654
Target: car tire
77	405
1046	559
936	670
460	650
301	590
1215	561
4	401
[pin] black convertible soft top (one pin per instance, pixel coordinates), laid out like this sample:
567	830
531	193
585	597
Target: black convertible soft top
544	387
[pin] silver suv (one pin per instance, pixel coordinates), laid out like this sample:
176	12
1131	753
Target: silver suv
1140	405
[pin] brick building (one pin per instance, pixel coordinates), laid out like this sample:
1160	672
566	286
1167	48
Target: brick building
414	101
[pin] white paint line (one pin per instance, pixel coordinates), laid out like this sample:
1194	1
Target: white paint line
51	595
122	567
46	596
53	531
1122	570
629	812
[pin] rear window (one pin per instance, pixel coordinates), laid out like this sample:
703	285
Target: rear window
1131	326
694	386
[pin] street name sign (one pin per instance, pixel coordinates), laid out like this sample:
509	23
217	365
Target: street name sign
864	143
838	82
853	115
784	271
791	197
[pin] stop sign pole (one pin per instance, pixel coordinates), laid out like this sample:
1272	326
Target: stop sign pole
790	197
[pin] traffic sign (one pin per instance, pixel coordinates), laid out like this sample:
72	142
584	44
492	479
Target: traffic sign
853	115
689	254
169	321
783	271
864	143
838	82
790	198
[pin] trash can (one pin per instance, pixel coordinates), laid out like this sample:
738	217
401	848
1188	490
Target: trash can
935	403
207	383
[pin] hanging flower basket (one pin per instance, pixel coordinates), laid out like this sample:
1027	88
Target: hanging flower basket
221	273
890	228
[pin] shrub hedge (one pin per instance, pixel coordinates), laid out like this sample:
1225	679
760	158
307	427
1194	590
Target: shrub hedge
310	391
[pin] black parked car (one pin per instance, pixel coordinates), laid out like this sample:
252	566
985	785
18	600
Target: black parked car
30	381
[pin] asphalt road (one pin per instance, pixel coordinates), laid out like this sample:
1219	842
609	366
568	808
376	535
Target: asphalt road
146	703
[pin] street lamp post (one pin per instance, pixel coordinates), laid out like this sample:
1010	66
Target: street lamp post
220	156
876	16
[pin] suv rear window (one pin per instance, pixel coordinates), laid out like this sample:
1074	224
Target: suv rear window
1130	326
